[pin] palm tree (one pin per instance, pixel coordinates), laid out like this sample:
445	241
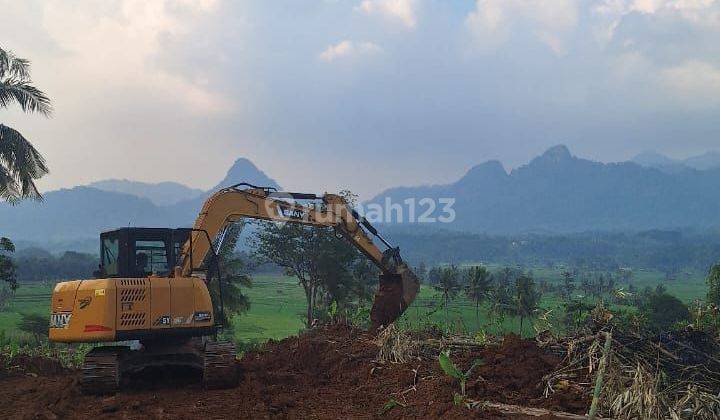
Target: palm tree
568	284
527	298
477	287
20	163
234	275
7	269
448	285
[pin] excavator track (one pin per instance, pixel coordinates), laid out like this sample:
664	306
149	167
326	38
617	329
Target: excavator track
101	371
219	365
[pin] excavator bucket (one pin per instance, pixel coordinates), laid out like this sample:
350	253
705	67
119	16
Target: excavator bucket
394	295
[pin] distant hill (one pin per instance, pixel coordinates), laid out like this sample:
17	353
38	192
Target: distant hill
557	192
246	171
77	213
184	212
554	193
72	218
161	194
706	161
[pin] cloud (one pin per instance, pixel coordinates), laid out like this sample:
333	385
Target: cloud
402	11
493	21
135	79
347	48
693	82
703	13
123	44
610	7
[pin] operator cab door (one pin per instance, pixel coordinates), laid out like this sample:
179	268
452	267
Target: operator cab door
155	254
150	257
141	298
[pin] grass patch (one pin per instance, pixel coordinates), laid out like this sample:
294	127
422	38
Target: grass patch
278	306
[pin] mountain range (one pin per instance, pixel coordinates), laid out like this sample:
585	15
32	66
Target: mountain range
560	193
76	215
704	162
161	194
554	193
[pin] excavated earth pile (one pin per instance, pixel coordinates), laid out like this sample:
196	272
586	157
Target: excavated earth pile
329	372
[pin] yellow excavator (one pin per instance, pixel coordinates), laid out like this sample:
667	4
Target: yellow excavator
152	287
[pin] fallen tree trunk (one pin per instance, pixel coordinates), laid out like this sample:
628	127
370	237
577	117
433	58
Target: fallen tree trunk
533	412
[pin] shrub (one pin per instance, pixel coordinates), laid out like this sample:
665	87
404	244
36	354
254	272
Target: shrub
35	325
663	311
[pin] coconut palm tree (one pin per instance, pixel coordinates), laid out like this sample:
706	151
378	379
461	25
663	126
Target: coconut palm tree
478	282
527	298
20	163
448	286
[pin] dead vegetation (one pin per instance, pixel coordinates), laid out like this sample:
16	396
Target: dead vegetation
674	375
396	346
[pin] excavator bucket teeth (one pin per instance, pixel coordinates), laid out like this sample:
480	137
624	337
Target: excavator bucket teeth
394	295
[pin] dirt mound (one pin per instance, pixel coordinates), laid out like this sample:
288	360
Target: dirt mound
328	372
23	364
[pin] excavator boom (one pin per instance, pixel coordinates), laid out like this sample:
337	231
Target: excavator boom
398	284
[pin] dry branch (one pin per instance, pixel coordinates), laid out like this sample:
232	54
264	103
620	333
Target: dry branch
533	412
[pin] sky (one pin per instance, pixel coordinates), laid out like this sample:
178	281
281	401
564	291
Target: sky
360	94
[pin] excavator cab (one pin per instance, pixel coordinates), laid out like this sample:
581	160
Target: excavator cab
140	252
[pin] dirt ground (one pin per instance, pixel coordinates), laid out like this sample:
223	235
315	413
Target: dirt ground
327	373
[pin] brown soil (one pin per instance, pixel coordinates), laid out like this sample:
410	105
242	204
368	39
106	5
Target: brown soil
327	373
30	366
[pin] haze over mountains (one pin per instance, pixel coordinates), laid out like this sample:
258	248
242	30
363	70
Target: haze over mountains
704	162
554	193
560	193
161	194
80	213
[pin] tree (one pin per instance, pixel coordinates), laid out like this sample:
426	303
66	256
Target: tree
421	272
477	287
713	283
575	312
34	264
20	163
505	276
323	264
586	286
626	275
365	275
34	324
291	247
7	272
433	276
448	285
234	275
663	310
568	284
527	298
501	302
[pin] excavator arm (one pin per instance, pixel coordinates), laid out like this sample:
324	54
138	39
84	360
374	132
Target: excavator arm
398	284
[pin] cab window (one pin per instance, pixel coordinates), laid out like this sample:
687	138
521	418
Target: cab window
151	257
110	247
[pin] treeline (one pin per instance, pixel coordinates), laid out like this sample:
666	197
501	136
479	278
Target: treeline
666	251
513	291
671	252
34	264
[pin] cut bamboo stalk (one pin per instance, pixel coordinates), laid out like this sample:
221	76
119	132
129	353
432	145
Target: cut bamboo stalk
599	380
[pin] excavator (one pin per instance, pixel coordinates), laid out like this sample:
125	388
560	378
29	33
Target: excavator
150	305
